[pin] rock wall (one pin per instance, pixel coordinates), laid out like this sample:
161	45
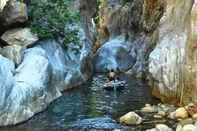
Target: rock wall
136	23
172	63
33	72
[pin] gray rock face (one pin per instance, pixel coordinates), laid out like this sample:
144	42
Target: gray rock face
26	90
17	39
69	69
19	36
115	55
137	22
14	53
14	12
167	61
44	72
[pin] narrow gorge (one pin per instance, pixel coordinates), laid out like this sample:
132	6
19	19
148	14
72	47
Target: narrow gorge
81	65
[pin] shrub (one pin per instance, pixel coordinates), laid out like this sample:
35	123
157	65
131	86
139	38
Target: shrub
48	19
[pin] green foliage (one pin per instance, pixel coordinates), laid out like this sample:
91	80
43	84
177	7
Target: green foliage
48	19
125	1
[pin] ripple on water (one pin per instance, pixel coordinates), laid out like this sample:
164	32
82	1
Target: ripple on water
88	101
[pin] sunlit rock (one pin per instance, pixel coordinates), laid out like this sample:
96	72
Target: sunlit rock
162	127
17	40
131	118
167	61
19	36
181	113
186	121
26	90
190	127
2	4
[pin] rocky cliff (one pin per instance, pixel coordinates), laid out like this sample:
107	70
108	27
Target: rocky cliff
153	38
172	63
130	28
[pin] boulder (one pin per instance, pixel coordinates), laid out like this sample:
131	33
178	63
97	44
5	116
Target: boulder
68	68
179	127
190	127
17	40
149	109
14	53
28	91
3	4
14	12
131	118
181	113
115	55
186	121
162	127
19	36
194	117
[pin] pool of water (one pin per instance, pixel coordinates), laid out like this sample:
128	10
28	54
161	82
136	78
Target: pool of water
88	101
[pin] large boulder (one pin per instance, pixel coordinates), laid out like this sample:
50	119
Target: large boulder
79	69
13	12
172	80
115	55
69	69
17	40
26	90
19	36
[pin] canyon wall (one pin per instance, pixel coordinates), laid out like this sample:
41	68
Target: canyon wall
172	64
130	29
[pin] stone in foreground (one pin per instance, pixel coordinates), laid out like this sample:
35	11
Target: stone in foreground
131	118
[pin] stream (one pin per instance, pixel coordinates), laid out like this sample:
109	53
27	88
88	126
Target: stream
88	101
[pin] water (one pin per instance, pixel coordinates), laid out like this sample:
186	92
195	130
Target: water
88	101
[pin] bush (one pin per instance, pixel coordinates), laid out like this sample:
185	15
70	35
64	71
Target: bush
48	19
